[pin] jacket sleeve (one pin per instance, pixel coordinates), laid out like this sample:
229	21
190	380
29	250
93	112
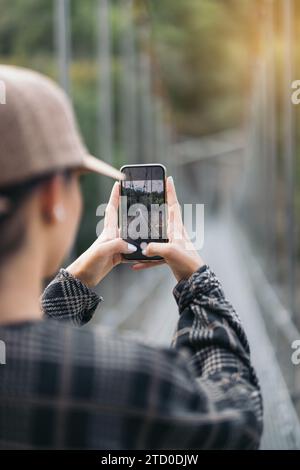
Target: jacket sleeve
210	333
202	393
67	298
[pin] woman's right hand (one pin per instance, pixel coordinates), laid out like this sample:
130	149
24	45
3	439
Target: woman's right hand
179	253
106	251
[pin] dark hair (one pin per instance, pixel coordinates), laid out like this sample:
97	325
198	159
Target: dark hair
13	221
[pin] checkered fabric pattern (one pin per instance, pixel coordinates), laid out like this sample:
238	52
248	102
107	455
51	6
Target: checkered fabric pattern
70	387
67	298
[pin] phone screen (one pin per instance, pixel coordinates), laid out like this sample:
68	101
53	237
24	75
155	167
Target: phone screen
143	207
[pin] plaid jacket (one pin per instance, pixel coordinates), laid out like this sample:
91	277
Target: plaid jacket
68	387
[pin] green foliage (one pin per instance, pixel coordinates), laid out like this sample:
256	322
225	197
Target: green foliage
204	49
200	52
26	27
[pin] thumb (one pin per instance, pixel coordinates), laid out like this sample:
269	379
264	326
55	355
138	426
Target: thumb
118	245
156	249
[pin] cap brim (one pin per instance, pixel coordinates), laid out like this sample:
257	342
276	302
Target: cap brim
95	165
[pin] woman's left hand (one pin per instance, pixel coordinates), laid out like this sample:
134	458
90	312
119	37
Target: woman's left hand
106	252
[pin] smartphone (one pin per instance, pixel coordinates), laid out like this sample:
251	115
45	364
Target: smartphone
143	213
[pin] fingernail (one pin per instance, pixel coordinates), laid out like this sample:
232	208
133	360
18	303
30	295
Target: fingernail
144	252
131	247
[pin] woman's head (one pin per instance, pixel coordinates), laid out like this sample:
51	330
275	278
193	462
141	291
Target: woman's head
40	215
41	154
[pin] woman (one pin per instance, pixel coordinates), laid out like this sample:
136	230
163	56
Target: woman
66	387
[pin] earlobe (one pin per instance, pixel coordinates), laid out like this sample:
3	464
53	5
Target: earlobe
59	213
52	206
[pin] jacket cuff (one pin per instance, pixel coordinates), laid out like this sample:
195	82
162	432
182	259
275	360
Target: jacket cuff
182	285
67	298
202	282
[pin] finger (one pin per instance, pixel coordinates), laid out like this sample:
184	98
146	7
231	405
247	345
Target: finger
111	212
171	192
114	195
156	249
116	246
147	265
174	209
175	228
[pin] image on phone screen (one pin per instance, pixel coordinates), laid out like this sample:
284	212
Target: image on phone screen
143	209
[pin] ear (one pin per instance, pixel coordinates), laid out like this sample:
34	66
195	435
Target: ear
51	200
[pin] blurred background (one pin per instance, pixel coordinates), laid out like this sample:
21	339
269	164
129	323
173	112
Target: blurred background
204	87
